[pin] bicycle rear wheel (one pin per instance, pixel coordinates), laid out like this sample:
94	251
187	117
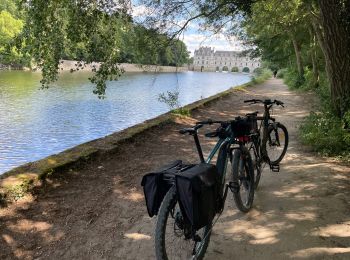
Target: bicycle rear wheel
173	238
243	179
276	143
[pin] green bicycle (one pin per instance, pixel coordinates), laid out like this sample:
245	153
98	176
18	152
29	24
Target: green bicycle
174	237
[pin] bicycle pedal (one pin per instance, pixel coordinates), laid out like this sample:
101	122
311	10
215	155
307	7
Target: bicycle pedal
275	167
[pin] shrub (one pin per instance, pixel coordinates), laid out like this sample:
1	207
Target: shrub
326	134
258	71
280	73
246	69
171	99
264	75
293	79
234	69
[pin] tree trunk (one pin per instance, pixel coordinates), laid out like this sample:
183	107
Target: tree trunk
313	54
298	56
337	52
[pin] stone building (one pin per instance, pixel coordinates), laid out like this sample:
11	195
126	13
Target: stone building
206	59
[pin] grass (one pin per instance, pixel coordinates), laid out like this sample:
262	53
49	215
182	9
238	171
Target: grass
322	130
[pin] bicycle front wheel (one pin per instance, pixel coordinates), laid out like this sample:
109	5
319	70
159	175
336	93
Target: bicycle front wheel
257	165
243	179
276	143
173	238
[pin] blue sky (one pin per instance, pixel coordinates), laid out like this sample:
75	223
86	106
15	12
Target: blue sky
193	37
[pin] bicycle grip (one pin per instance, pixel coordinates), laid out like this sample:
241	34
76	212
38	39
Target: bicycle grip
249	100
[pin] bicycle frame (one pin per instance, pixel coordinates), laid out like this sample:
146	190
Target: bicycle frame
223	149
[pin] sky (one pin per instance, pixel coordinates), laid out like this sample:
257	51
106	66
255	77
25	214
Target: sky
194	38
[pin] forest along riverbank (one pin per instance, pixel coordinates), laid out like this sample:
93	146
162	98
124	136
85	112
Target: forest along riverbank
98	212
68	114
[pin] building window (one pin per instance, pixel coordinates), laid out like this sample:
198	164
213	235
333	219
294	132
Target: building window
246	64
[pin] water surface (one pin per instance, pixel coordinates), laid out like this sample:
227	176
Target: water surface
35	123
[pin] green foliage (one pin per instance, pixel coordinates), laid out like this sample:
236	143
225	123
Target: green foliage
258	71
84	30
245	69
261	75
10	27
281	73
225	68
171	99
326	134
234	69
181	112
293	79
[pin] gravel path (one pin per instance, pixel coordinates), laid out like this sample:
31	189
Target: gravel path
302	212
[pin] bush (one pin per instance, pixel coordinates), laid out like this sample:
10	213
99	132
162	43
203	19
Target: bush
181	111
258	71
293	79
234	69
280	73
264	75
326	134
246	69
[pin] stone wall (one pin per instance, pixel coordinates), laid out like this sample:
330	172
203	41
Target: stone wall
67	65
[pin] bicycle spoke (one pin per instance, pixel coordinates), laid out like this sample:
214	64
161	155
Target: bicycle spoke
177	245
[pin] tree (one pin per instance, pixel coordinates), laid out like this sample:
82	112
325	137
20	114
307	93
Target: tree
9	28
49	23
335	41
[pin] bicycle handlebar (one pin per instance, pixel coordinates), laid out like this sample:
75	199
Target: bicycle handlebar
265	102
190	130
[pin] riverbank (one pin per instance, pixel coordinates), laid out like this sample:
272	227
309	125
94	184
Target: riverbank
71	65
24	179
98	211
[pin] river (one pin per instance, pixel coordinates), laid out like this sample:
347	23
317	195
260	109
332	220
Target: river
36	123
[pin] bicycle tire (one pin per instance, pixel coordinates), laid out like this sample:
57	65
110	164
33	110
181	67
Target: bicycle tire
271	143
241	159
169	202
256	164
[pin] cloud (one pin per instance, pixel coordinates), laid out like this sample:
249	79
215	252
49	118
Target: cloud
218	41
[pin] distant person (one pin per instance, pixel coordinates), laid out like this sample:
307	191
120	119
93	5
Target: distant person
274	73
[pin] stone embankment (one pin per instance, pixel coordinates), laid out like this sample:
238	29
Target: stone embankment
69	65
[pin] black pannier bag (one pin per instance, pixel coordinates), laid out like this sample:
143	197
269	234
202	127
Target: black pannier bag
244	126
156	184
197	190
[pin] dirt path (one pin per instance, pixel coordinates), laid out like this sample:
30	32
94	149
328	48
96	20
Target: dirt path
99	213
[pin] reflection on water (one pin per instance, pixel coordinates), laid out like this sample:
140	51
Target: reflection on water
35	123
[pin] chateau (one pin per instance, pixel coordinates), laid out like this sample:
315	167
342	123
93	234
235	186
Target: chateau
206	59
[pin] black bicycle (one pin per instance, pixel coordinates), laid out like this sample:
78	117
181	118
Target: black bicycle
269	143
175	237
